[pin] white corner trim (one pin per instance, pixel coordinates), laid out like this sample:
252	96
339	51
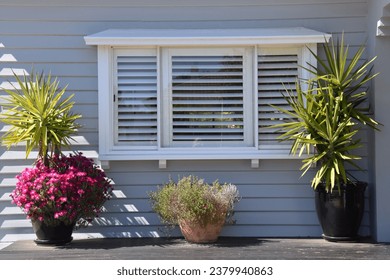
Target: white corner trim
226	37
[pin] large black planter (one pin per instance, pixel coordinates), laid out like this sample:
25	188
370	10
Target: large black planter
52	235
340	213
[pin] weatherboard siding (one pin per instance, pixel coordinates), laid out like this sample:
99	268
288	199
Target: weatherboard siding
49	36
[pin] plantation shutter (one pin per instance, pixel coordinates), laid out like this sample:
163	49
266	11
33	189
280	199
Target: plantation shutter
276	74
207	100
136	99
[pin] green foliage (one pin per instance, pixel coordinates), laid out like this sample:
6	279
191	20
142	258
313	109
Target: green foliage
39	115
327	112
193	200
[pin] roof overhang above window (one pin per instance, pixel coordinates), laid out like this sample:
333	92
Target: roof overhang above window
186	37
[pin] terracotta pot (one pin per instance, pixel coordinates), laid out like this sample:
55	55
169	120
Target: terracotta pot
197	234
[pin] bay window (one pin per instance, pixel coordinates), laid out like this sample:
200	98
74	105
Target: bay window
197	94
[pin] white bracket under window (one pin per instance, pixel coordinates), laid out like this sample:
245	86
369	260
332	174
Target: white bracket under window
255	163
162	164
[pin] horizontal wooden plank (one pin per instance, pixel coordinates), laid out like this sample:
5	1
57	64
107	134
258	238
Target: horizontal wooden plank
44	41
162	13
59	70
9	209
12	155
15	224
13	235
241	218
243	177
7	58
240	177
46	31
82	85
141	191
157	3
5	194
122	220
32	56
245	204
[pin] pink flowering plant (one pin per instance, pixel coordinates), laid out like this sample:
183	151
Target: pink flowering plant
70	189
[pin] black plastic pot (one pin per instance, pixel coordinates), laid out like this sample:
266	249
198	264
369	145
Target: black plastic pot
340	213
52	235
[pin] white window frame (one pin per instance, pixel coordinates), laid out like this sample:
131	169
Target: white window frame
132	52
168	53
256	40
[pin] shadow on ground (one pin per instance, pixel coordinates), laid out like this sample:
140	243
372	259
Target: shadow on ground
115	243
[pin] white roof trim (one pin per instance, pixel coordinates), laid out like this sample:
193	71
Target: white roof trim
183	37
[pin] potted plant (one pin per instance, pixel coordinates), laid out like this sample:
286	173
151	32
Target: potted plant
59	192
200	209
325	116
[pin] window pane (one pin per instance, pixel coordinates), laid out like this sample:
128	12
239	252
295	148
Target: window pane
137	100
207	100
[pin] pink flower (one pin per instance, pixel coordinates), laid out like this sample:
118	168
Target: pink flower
70	188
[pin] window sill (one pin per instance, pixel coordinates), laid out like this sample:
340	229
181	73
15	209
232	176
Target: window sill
163	156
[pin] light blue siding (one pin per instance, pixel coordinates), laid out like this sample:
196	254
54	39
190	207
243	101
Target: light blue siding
48	35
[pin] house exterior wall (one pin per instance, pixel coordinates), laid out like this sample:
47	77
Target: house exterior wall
379	20
49	36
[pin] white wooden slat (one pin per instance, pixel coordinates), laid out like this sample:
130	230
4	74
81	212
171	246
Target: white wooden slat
141	109
232	73
136	102
200	123
132	86
209	101
191	94
212	130
136	95
211	110
267	108
276	74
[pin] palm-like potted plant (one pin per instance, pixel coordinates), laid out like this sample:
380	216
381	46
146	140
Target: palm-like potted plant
200	209
325	116
59	192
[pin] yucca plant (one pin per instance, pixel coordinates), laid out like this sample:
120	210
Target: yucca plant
39	114
327	112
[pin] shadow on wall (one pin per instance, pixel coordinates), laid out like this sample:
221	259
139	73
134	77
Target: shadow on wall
13	222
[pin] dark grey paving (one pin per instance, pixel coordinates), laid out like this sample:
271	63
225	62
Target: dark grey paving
225	248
